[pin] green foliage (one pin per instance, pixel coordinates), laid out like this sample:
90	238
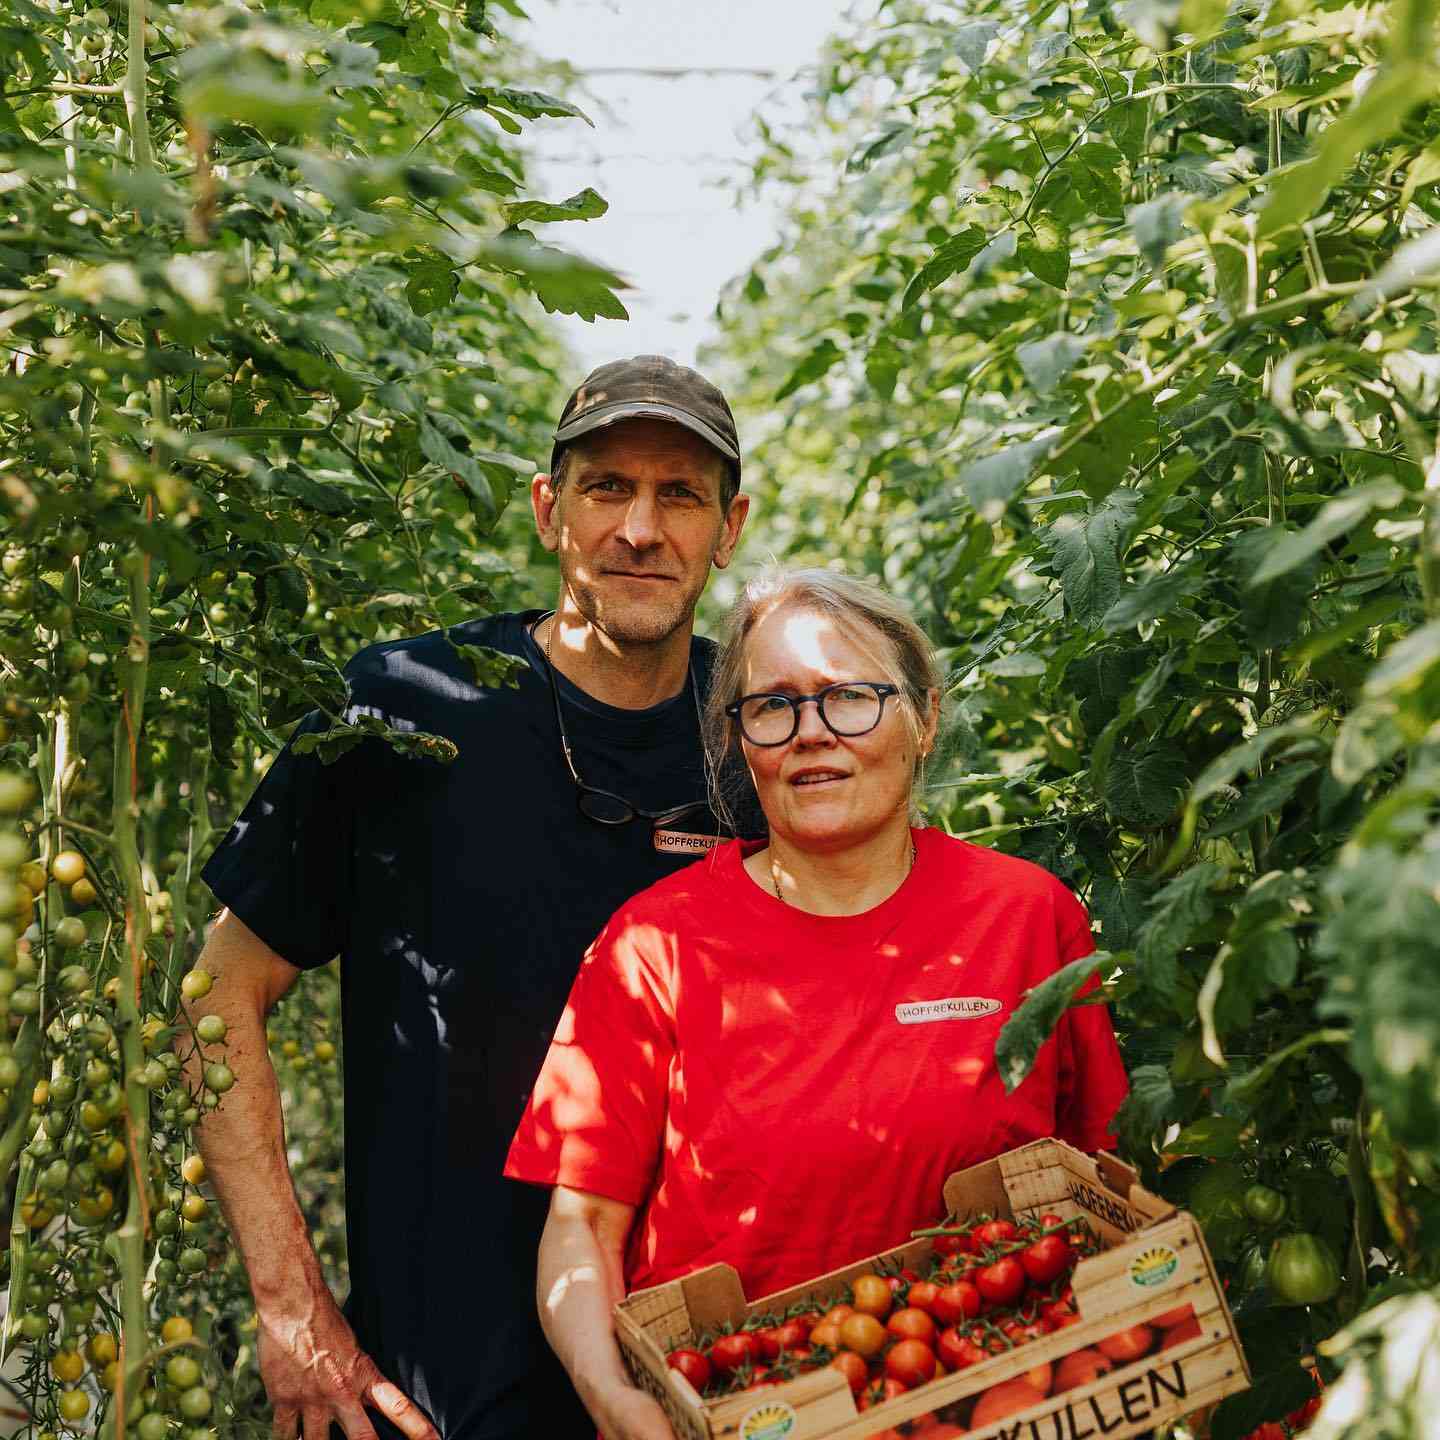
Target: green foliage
1131	388
271	371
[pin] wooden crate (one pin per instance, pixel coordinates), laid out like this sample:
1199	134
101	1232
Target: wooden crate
1154	1261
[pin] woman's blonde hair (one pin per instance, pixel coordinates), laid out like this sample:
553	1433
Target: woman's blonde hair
903	652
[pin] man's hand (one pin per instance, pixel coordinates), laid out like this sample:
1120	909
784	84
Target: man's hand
316	1373
626	1413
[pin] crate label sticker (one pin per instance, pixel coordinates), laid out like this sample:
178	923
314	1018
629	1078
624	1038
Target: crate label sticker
1153	1267
774	1420
954	1007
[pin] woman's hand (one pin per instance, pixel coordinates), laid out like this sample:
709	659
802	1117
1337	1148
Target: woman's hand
630	1414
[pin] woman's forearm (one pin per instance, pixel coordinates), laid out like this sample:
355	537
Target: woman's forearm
580	1277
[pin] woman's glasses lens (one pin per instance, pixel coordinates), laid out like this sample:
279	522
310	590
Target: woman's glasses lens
846	709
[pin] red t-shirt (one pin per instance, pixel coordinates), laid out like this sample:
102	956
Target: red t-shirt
788	1092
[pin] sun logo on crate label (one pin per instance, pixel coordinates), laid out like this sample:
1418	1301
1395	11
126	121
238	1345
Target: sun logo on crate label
1153	1267
775	1420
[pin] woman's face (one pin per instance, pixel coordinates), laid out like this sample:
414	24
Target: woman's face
821	791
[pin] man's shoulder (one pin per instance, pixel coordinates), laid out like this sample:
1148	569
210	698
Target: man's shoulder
395	675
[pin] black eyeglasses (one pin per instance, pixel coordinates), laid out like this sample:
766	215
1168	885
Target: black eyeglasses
605	807
853	707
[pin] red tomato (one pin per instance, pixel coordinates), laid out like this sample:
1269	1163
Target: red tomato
958	1351
922	1295
767	1343
1020	1332
692	1365
1179	1334
1178	1316
1009	1397
730	1352
911	1324
792	1334
959	1300
995	1232
810	1319
1128	1344
1080	1367
954	1245
1049	1220
1002	1283
1299	1419
877	1392
1047	1259
1270	1430
911	1362
1039	1376
853	1368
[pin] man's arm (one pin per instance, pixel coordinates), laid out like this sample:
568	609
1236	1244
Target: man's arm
580	1278
313	1369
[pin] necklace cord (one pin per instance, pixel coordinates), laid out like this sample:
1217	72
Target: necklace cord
780	894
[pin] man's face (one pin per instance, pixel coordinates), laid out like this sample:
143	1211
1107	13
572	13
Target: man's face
637	525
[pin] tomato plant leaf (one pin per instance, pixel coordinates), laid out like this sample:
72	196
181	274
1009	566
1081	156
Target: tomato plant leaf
1037	1015
1216	1137
951	256
1153	598
1157	224
992	483
972	43
1272	611
560	281
1144	786
823	358
1047	362
1085	553
491	668
586	204
528	104
1044	250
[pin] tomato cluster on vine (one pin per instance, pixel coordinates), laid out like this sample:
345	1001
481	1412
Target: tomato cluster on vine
993	1284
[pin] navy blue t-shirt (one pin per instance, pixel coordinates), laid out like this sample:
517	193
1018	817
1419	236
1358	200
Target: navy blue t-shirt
461	898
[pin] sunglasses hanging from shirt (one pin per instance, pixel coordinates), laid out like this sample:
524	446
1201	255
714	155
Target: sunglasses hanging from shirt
605	807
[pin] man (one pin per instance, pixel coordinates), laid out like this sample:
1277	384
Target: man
462	898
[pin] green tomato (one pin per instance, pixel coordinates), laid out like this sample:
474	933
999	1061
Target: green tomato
195	1403
1302	1270
182	1371
153	1426
219	1078
192	1260
211	1029
1264	1205
69	932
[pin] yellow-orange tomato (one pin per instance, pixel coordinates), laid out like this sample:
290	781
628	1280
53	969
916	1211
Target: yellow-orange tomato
826	1334
863	1334
873	1296
836	1313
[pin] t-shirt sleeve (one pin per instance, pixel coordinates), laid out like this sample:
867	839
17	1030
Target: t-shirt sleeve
596	1118
1092	1080
284	868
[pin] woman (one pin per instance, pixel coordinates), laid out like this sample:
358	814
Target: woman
775	1057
